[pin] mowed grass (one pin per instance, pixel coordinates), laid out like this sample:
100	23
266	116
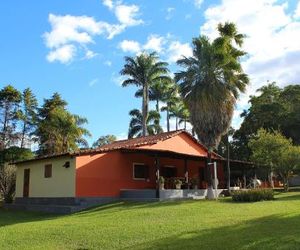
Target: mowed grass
165	225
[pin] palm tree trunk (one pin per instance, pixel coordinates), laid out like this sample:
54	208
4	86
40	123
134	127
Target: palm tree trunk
145	108
209	174
168	118
210	191
157	105
228	165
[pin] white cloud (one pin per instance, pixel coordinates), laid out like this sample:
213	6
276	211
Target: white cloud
93	82
63	54
66	29
170	13
155	42
272	44
108	3
130	46
167	47
90	54
177	49
126	14
108	63
198	3
79	31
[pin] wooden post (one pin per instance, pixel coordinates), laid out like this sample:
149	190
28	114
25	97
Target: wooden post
186	173
157	167
244	179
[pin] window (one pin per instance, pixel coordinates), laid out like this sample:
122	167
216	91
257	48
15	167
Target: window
168	171
140	171
48	171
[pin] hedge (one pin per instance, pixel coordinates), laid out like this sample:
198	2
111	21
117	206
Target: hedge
252	195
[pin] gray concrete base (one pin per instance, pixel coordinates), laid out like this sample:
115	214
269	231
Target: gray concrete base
70	204
58	205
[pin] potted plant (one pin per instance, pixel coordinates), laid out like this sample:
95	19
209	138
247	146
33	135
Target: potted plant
161	182
194	183
177	183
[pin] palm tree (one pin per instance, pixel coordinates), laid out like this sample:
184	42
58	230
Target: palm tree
157	91
170	98
175	111
136	123
210	85
184	116
143	71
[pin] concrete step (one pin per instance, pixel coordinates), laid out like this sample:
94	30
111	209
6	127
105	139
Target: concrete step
55	209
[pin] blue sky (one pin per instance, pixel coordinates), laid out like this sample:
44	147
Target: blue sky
77	47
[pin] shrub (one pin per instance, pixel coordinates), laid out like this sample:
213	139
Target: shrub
7	182
253	195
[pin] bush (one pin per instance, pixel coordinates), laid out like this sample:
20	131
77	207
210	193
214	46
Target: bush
253	195
7	182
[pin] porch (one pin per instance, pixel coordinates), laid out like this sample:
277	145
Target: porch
171	175
166	194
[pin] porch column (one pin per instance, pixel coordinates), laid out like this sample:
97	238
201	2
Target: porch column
186	173
244	179
157	167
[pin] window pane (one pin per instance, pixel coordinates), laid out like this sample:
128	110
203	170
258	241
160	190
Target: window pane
141	171
48	171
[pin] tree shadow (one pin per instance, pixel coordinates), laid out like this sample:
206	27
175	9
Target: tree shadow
10	217
272	232
127	205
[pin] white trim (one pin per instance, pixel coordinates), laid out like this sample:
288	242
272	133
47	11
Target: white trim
133	166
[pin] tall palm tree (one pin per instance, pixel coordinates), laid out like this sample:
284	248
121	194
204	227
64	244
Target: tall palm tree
142	71
136	123
170	98
210	84
175	112
157	92
184	116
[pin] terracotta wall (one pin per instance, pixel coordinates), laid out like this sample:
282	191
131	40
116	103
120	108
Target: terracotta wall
103	175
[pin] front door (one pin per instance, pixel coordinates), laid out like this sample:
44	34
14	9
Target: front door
26	182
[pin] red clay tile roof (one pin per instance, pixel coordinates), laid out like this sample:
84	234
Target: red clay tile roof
125	144
132	143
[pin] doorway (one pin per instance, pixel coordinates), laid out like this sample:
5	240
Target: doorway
26	183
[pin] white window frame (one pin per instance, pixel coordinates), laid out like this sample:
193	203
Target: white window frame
133	167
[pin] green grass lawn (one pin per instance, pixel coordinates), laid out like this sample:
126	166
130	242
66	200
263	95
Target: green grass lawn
165	225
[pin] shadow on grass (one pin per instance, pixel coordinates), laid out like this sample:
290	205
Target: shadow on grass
10	217
127	205
272	232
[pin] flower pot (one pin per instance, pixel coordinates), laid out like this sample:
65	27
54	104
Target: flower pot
178	186
161	186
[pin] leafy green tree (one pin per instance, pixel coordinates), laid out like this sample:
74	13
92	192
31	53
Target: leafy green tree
143	71
28	115
210	83
104	140
273	109
10	99
290	118
136	123
58	130
276	152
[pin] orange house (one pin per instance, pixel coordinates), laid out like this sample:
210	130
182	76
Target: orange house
127	169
